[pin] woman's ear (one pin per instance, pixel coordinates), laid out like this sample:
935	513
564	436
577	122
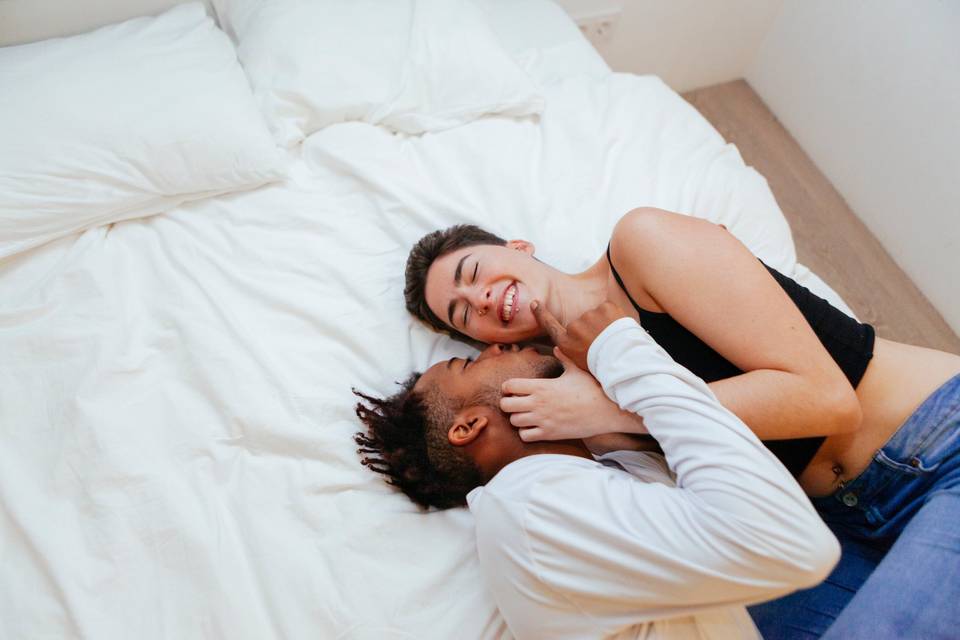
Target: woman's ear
467	425
521	245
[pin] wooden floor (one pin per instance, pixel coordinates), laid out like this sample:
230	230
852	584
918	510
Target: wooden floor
830	239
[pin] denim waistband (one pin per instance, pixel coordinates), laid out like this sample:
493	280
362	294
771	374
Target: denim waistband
928	437
921	440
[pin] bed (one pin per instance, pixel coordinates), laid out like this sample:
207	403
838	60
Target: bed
176	416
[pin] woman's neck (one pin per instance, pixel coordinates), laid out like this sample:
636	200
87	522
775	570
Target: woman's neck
573	294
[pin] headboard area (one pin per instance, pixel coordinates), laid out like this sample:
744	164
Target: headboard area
23	21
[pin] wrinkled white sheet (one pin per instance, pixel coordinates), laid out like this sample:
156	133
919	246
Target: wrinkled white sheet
176	457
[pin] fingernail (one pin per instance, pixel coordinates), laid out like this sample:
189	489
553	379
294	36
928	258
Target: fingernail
534	304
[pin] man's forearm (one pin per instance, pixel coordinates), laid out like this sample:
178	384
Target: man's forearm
713	454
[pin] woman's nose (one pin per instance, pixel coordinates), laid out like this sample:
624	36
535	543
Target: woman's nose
483	301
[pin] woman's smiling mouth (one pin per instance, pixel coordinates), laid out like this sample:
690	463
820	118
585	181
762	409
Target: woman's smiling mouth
509	303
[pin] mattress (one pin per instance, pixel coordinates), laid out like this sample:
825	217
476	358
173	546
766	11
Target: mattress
175	392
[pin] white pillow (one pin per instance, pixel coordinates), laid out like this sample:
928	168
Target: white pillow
410	65
123	122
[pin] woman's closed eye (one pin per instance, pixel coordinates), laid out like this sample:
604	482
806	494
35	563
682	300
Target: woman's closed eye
473	280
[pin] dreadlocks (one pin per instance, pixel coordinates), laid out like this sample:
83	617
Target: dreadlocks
406	441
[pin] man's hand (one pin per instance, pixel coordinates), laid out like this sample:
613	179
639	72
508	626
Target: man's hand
575	340
571	406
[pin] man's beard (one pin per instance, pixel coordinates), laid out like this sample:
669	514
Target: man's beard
550	368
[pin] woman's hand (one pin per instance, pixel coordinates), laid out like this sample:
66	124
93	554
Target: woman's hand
571	406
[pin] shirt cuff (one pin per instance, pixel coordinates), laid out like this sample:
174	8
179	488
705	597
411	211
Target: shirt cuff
615	328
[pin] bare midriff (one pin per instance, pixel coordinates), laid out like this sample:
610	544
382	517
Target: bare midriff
897	381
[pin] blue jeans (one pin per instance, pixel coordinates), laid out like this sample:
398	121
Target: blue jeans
898	524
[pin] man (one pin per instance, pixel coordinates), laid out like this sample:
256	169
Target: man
633	544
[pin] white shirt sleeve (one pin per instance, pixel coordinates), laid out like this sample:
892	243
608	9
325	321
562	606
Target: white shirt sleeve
590	545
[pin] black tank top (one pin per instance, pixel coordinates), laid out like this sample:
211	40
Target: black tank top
848	341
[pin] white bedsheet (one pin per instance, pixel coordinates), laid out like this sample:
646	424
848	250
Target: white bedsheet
176	454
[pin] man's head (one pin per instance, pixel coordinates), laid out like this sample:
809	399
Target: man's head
474	285
444	433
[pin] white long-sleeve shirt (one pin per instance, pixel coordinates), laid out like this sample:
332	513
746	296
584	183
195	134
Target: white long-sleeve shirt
635	545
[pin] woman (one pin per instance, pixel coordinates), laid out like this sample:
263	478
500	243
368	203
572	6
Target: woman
816	386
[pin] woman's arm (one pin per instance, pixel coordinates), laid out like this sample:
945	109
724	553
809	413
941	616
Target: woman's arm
603	550
711	284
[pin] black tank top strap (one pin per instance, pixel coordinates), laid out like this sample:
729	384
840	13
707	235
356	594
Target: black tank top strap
619	280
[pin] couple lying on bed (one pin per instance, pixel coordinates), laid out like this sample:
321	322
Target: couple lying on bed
574	546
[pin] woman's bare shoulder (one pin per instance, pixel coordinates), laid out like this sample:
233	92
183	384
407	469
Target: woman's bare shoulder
646	236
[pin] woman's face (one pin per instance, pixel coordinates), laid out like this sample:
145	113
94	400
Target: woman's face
485	291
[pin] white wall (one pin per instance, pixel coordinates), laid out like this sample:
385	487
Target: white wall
871	91
688	43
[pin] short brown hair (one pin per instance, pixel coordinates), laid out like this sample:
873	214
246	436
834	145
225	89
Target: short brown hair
424	253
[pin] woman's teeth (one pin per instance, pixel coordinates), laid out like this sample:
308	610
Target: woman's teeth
508	303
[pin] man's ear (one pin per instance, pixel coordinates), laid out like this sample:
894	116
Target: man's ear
467	424
521	245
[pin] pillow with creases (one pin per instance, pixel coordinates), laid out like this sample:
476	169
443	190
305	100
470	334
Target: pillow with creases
412	66
124	122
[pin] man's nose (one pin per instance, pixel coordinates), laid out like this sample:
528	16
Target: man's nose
495	350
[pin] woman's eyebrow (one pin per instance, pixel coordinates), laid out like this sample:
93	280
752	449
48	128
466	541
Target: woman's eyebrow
458	272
